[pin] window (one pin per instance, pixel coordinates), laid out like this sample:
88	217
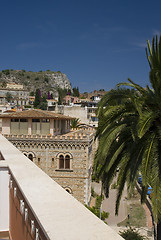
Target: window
30	156
23	120
14	120
61	162
64	163
45	120
68	190
35	120
67	162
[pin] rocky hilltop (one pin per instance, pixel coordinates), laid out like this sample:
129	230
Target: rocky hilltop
45	81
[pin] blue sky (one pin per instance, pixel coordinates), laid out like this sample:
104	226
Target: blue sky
96	43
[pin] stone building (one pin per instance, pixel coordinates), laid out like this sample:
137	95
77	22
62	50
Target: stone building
46	139
19	96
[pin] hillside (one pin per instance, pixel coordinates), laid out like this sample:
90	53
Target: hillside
45	81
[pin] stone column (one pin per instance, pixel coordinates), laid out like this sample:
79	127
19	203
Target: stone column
51	127
29	126
56	125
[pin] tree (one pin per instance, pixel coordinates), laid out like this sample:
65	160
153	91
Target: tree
131	234
76	92
37	98
62	93
4	84
43	103
8	97
130	125
74	123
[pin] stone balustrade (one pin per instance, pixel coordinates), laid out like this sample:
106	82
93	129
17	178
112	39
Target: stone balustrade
40	209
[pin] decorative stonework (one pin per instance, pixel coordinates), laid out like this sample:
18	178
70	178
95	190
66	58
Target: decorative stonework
45	153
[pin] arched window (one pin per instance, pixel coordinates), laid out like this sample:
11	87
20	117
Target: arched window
64	163
68	190
61	162
67	162
30	156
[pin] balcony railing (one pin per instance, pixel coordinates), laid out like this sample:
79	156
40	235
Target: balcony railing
39	208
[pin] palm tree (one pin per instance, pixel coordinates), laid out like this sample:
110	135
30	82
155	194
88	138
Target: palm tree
130	125
74	123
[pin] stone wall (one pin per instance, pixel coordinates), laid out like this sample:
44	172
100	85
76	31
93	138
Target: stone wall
46	152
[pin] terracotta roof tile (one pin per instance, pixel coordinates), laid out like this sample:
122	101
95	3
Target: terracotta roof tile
35	113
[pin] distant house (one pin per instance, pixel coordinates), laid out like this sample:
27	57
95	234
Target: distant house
17	96
35	121
70	100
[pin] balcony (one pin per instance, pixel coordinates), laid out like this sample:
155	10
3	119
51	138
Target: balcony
33	206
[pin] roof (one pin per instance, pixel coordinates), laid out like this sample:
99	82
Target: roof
35	113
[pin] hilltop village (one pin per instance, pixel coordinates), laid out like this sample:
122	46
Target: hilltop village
54	129
53	126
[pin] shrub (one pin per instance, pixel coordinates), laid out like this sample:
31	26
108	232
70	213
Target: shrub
93	193
96	211
46	79
27	106
114	185
6	72
131	234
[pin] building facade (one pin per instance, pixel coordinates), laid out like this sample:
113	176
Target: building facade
45	138
18	96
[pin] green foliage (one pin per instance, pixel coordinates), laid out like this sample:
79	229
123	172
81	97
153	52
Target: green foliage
96	209
28	76
99	199
4	84
37	99
6	72
62	94
40	102
93	193
95	178
37	78
129	133
74	123
43	104
27	106
76	92
132	234
114	185
8	97
32	94
102	90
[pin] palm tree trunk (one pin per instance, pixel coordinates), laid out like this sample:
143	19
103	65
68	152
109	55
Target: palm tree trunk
159	230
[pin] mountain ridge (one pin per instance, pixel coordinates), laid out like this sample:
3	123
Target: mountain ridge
46	81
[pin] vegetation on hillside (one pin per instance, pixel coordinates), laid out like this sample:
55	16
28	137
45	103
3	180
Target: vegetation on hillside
31	80
40	101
